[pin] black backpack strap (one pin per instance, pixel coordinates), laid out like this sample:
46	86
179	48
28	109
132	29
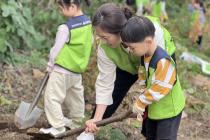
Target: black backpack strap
142	61
173	56
158	55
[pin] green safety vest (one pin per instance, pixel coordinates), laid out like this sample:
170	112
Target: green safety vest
173	103
122	59
75	54
143	2
156	9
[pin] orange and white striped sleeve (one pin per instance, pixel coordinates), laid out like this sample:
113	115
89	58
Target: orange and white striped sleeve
162	82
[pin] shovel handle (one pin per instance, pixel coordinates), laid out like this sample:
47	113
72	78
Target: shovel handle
39	94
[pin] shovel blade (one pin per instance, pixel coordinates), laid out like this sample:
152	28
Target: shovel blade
21	120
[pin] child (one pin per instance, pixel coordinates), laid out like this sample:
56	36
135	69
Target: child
163	98
197	9
68	59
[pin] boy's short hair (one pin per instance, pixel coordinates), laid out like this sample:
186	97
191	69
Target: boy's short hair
137	29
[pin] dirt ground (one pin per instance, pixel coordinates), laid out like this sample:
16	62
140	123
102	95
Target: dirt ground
19	87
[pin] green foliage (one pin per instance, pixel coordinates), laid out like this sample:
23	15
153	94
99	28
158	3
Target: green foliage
26	26
179	27
109	133
116	134
197	107
195	68
207	107
17	27
31	25
4	101
207	51
135	123
183	75
35	58
175	7
103	133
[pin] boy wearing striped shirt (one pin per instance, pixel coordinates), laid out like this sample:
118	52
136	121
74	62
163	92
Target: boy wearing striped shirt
163	100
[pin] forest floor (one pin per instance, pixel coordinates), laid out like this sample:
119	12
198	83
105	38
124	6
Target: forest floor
195	126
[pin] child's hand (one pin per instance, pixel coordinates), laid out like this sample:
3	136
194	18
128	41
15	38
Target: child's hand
91	126
138	110
49	69
50	66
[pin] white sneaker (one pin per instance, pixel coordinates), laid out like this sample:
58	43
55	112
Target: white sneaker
55	132
70	123
67	122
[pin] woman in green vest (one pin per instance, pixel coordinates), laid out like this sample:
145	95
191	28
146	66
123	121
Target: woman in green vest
67	60
118	68
163	97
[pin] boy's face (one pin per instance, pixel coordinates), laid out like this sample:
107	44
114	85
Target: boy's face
139	48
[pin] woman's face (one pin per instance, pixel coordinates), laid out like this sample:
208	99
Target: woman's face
113	40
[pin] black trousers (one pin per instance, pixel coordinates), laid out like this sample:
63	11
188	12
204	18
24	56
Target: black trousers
165	129
123	82
199	40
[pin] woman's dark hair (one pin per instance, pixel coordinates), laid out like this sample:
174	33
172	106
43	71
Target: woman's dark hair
76	2
137	29
111	18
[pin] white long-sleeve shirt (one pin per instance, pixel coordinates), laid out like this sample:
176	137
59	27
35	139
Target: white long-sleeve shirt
107	71
62	37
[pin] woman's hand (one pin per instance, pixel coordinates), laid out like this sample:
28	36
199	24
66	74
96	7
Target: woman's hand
91	125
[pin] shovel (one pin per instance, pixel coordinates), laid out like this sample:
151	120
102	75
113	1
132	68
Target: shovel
27	114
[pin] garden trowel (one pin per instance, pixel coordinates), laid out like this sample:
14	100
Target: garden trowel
27	114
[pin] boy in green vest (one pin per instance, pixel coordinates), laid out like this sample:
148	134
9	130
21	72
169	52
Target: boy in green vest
68	59
163	98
